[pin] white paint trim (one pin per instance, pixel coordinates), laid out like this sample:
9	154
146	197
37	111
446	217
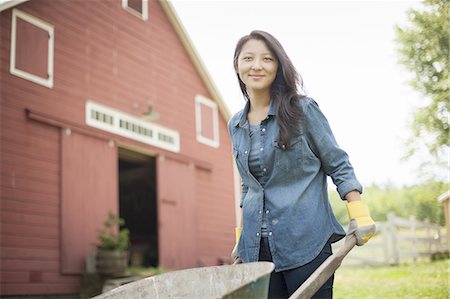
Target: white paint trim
126	125
47	82
143	16
10	3
444	196
200	100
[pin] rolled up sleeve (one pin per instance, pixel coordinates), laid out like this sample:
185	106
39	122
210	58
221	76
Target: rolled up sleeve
335	161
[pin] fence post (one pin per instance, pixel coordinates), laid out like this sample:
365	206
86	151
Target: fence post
393	231
440	242
413	223
384	228
430	239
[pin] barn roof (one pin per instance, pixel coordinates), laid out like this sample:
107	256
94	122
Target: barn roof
185	40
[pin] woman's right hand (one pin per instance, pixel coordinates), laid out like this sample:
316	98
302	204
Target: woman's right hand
234	253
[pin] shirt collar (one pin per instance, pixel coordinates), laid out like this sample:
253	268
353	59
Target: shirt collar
242	120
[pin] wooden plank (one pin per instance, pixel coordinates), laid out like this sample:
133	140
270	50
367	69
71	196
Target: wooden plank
29	219
30	185
23	172
14	158
28	152
48	277
39	288
29	253
16	124
29	208
14	277
29	242
30	231
30	196
29	265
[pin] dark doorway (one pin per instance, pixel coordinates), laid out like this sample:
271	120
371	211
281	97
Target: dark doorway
137	206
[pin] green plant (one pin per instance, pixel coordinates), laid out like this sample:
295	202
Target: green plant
111	239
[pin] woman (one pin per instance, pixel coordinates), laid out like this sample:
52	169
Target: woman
284	150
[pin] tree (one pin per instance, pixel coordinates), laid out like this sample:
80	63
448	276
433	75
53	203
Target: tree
424	50
419	200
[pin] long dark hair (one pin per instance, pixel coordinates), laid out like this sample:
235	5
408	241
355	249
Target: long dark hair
284	90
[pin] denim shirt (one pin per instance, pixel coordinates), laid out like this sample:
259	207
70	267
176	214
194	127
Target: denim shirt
295	199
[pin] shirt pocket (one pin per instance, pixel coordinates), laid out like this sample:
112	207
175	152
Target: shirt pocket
239	158
288	159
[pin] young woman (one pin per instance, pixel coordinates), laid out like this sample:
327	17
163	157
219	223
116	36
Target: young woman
284	150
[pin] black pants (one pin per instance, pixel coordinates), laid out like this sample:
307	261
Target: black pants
283	284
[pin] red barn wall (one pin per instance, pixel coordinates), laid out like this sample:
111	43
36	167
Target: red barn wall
105	54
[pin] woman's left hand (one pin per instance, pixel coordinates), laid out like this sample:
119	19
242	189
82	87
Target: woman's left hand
361	224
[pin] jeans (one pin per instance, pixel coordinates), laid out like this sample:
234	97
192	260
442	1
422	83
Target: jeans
284	283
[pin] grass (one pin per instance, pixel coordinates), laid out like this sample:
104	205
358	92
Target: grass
144	272
415	280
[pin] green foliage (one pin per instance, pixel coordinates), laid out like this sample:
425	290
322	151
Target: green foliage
419	200
418	280
424	50
145	272
111	239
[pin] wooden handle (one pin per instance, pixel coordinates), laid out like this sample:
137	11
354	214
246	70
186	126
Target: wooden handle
324	272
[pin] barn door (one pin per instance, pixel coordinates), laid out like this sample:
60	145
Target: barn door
177	214
89	192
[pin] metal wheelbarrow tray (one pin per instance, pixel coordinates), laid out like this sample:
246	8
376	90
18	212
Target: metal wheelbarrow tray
250	280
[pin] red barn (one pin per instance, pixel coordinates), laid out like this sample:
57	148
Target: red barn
106	106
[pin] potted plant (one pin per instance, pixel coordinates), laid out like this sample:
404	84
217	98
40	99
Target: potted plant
112	255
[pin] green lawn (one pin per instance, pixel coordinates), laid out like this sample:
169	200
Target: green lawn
414	280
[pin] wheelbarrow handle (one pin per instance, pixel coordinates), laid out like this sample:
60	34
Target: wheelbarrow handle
324	272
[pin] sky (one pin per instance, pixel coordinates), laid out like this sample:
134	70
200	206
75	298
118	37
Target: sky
345	52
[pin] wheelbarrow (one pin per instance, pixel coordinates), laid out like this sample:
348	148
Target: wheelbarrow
248	280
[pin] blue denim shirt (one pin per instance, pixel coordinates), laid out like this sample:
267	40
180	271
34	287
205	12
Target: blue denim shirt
299	216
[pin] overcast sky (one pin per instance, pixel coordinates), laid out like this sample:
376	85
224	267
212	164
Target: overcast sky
346	54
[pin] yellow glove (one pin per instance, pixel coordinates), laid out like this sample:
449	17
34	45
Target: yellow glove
234	253
361	224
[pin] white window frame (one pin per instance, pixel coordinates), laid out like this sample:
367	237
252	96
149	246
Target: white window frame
200	100
51	40
143	16
111	120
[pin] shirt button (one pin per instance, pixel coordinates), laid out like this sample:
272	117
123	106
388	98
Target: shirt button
265	169
260	211
263	129
257	234
270	233
246	152
261	149
267	212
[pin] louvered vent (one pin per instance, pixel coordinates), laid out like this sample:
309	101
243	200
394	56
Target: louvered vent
123	124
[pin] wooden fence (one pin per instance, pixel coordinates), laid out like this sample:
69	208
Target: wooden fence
399	240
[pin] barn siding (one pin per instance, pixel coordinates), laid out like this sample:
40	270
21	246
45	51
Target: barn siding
118	60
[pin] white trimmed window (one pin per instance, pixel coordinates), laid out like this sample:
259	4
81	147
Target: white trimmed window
206	121
32	43
138	8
